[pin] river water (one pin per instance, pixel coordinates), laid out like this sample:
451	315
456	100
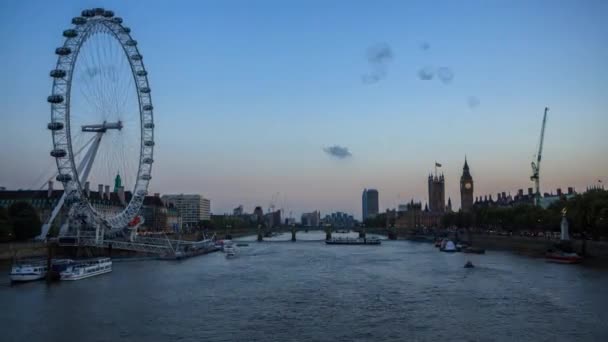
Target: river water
309	291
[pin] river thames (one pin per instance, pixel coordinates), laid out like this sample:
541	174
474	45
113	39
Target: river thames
309	291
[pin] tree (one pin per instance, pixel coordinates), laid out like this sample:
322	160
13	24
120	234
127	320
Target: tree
377	221
6	228
25	221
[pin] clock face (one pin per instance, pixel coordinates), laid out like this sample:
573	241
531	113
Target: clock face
467	186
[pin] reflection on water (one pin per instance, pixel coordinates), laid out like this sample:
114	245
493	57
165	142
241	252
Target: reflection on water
313	292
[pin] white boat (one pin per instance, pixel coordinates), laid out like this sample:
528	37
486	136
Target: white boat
230	249
448	246
28	271
87	268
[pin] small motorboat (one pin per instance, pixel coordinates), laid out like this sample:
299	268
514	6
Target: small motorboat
469	264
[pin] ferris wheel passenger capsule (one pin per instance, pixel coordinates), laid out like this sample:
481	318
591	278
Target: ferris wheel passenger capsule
55	99
63	178
79	20
63	51
58	73
58	153
55	126
70	33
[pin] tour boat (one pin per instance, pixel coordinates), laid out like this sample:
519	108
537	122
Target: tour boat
563	257
351	241
87	268
28	271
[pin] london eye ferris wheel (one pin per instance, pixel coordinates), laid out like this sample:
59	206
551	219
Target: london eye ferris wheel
101	118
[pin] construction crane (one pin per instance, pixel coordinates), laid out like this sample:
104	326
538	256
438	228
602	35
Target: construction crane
536	163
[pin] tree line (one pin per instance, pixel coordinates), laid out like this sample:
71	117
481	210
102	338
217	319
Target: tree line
587	215
19	222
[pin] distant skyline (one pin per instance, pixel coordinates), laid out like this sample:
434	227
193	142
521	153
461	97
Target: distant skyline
318	100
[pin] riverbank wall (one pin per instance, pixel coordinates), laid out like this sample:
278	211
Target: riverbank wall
23	250
14	250
538	246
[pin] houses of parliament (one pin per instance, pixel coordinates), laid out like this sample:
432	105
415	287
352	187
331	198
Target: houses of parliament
413	216
436	185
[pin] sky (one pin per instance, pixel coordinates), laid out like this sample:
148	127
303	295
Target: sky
306	103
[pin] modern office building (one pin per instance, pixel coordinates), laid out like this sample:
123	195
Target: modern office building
191	207
339	219
311	219
369	203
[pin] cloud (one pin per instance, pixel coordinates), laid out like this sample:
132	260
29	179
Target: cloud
445	75
380	54
378	57
473	102
372	78
426	73
337	151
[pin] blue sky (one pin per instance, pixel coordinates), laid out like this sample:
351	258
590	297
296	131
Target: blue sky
248	93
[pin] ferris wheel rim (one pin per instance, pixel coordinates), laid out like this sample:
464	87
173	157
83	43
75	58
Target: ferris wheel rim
83	28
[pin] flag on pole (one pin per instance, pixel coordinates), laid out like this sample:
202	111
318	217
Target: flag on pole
437	164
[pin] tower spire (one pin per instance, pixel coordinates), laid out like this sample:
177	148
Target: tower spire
117	182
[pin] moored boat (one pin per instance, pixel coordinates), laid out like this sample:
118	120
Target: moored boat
447	246
351	241
561	257
564	252
28	271
87	268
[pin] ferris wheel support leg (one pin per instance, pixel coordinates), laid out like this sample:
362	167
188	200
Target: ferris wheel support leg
86	164
47	226
89	158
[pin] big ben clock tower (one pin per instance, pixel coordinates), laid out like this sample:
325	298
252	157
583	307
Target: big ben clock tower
466	188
